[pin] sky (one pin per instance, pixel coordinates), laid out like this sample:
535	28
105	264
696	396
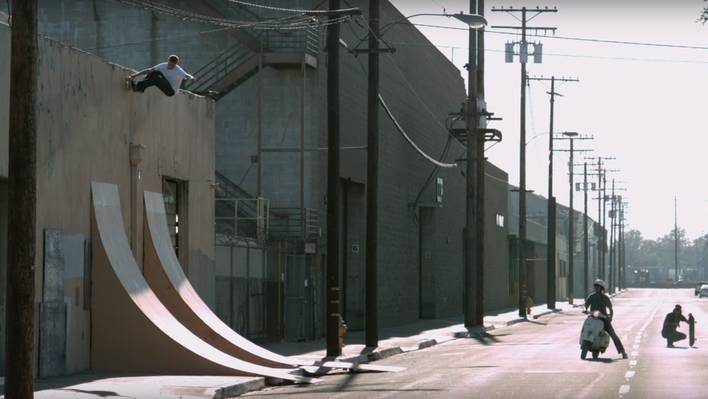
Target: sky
644	105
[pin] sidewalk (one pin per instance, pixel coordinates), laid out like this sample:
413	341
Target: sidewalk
414	336
168	387
393	340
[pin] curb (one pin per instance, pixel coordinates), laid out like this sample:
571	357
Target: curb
239	389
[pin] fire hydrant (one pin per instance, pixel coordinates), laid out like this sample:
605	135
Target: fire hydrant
342	332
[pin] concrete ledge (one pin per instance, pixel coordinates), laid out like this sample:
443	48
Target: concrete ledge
239	389
384	353
427	343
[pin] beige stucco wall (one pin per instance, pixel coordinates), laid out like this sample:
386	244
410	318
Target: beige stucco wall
87	121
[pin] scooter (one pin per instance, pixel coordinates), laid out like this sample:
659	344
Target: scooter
593	337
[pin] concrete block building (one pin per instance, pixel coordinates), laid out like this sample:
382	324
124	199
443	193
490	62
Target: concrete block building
258	250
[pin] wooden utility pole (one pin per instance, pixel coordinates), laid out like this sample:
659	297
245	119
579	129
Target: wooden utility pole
333	189
676	241
471	268
572	136
611	281
523	55
20	312
372	180
551	222
586	243
479	138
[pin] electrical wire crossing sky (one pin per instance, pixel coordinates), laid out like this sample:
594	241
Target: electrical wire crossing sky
642	87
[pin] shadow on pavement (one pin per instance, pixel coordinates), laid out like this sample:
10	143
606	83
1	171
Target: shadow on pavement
485	339
602	360
100	394
535	322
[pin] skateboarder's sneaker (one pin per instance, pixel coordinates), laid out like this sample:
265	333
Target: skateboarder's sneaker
130	84
624	355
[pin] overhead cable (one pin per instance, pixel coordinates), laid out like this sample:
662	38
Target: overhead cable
273	8
573	38
410	141
293	22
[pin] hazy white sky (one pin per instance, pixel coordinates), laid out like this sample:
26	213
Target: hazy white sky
646	106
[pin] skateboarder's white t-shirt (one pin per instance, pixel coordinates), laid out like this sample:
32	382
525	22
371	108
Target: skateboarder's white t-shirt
175	75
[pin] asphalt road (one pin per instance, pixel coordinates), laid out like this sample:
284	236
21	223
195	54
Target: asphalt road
541	359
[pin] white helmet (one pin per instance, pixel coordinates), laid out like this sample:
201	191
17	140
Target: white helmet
601	283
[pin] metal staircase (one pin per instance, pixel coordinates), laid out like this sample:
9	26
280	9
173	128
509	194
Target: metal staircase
240	214
236	64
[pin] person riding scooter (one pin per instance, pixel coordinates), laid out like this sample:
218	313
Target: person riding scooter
601	302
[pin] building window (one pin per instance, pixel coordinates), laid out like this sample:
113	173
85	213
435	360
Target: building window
175	193
500	220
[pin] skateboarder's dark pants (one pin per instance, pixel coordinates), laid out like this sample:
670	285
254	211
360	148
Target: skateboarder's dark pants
674	336
610	330
155	78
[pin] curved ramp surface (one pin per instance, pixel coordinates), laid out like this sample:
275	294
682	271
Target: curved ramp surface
167	279
131	329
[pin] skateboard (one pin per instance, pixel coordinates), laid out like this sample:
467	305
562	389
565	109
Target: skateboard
691	330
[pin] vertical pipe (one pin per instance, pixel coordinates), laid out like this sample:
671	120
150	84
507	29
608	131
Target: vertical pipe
571	227
345	244
259	144
522	177
303	217
551	222
232	318
372	180
333	189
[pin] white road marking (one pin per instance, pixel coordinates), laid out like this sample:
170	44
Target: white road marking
636	346
624	389
629	374
635	354
632	363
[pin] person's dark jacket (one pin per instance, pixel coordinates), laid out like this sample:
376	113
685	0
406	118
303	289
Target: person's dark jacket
599	302
671	323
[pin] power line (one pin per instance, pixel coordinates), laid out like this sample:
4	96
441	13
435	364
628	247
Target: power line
157	39
585	56
299	11
410	141
575	38
293	22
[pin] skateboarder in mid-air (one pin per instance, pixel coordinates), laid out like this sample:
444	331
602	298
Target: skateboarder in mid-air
167	76
671	323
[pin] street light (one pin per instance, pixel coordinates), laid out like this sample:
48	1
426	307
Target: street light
474	21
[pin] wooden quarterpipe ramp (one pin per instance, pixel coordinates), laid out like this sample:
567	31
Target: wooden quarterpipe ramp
164	274
132	331
167	279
